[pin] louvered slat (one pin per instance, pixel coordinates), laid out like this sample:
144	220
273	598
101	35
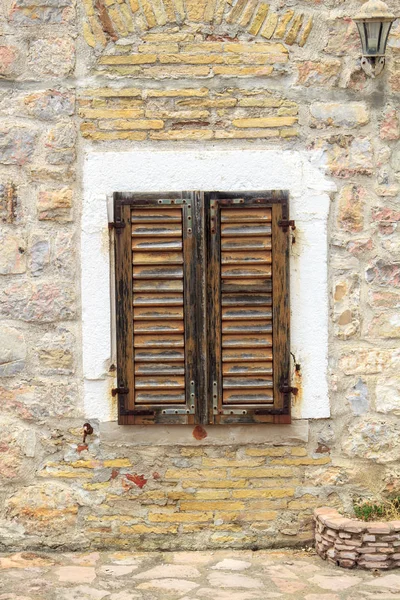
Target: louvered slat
246	317
158	305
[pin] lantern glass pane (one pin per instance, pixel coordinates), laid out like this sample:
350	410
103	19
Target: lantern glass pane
386	27
362	32
374	36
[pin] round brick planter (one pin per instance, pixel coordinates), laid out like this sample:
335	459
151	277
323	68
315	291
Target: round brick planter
349	543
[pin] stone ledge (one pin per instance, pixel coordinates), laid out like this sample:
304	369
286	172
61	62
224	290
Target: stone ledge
351	544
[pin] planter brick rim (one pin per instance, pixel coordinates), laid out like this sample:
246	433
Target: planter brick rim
331	518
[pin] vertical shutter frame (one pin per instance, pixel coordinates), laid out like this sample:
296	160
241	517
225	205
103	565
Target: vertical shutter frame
130	412
279	411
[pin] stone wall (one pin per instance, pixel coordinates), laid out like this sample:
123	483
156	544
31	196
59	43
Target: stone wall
165	74
349	543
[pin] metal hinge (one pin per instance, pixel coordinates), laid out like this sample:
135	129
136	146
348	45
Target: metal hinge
117	226
285	388
119	390
285	224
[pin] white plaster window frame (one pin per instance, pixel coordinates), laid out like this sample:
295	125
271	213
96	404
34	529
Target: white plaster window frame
209	170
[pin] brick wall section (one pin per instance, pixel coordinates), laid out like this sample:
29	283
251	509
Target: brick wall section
187	113
82	76
350	543
168	497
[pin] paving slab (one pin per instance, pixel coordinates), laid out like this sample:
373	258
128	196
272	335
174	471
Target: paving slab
206	575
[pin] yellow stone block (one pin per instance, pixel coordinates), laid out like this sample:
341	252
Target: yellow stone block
287	111
209	10
270	26
94	113
177	495
213	495
219	11
266	451
118	21
199	517
265	122
271	482
298	451
227	517
266	504
175	72
288	133
127	17
306	32
302	461
111	93
134	4
210	505
88	35
178	93
283	23
65	474
130	59
267	493
195	10
148	13
169	37
191	59
193	474
264	472
294	30
248	13
177	115
109	136
256	47
132	124
224	484
259	18
146	529
86	464
189	452
159	11
88	6
243	71
236	11
184	134
96	486
108	518
118	462
203	47
226	462
169	10
265	515
153	495
305	504
219	103
97	31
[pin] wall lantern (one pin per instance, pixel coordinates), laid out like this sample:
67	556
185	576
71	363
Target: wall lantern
374	22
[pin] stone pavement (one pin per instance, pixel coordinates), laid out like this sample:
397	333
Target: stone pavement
219	575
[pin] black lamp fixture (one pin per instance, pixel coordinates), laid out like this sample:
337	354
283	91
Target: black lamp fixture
374	22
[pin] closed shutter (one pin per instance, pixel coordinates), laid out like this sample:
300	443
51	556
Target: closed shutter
155	251
248	332
202	308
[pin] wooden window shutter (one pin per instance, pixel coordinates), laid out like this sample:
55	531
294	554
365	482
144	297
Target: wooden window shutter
248	312
155	258
202	308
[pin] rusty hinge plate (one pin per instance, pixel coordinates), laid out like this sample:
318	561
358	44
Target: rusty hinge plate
285	224
117	226
119	390
285	388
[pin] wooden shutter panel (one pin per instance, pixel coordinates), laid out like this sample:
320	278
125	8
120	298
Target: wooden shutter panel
248	309
155	258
